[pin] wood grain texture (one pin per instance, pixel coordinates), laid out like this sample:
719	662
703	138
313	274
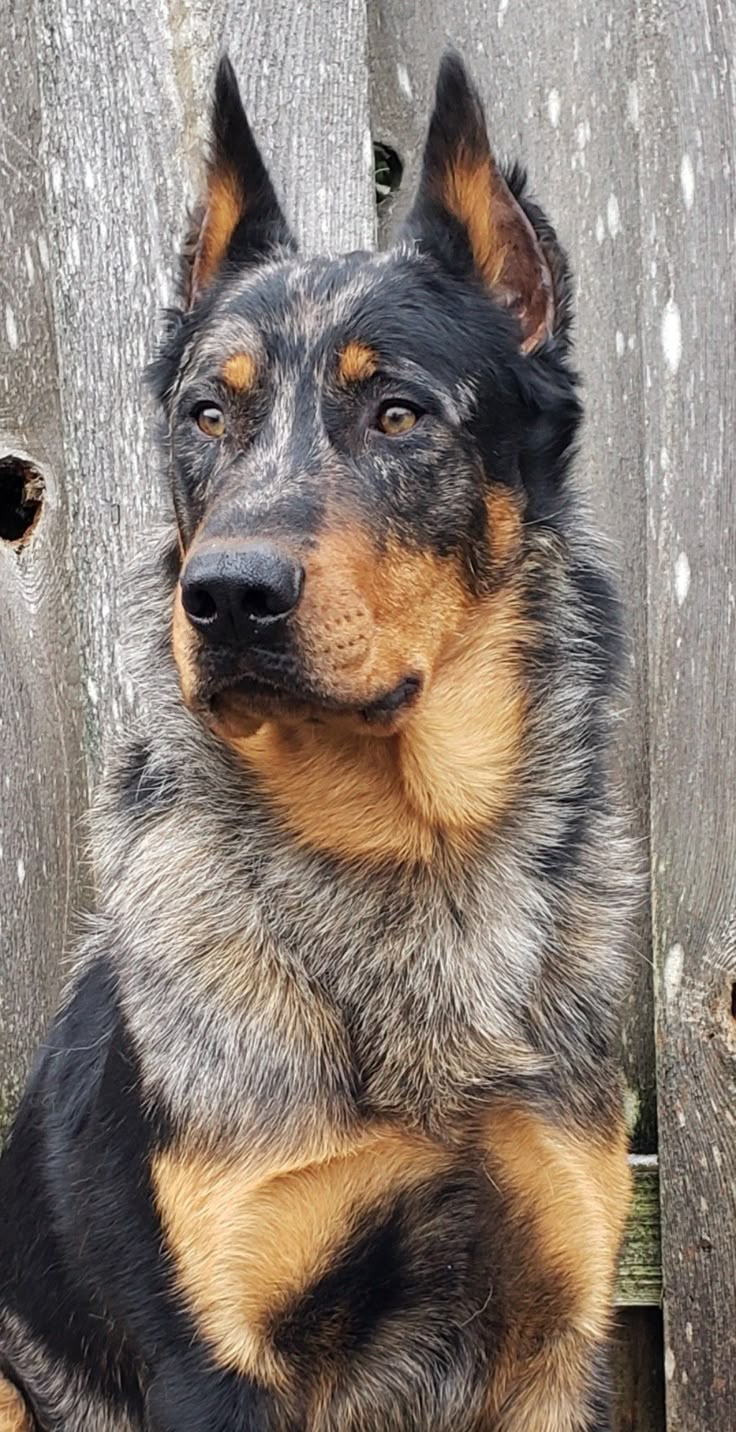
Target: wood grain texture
42	792
637	1371
688	114
559	86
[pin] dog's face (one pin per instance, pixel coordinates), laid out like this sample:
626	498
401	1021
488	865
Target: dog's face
355	443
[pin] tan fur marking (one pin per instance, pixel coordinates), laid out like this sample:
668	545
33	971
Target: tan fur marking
357	363
244	1243
461	752
184	646
368	618
239	371
14	1416
575	1191
504	526
225	209
467	192
449	771
445	768
546	1390
339	792
505	248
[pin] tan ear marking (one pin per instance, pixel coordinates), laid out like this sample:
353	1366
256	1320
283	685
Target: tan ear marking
357	363
504	525
506	250
239	372
13	1414
225	209
466	192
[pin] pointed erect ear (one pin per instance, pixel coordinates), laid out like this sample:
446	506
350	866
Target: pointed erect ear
240	222
465	211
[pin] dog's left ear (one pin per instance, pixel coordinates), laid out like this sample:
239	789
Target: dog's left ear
466	214
240	222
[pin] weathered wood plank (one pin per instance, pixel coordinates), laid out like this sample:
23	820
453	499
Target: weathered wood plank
559	85
112	158
638	1373
305	74
41	784
688	123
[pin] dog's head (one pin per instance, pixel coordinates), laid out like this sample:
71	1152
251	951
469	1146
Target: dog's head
356	443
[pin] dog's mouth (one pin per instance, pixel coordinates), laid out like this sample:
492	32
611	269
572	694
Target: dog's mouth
254	698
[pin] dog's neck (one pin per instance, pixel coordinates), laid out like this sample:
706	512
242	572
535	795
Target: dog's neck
447	776
323	916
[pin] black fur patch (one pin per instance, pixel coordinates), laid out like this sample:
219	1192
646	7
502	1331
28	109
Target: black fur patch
143	787
420	1253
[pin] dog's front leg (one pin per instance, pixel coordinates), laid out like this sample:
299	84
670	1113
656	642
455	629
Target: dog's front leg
567	1195
563	1388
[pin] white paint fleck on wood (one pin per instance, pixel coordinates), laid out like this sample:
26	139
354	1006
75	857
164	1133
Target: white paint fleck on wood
687	180
671	333
682	577
674	966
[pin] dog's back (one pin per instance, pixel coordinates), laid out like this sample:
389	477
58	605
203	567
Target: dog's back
327	1134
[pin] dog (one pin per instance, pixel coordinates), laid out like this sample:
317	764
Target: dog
327	1134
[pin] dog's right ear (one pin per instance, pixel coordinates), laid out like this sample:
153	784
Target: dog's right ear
240	222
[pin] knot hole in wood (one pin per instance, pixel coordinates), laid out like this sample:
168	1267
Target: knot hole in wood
21	498
388	172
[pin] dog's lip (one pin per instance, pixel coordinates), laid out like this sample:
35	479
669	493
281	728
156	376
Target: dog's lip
403	694
291	693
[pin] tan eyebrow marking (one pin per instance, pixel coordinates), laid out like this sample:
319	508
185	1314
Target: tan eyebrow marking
357	362
239	371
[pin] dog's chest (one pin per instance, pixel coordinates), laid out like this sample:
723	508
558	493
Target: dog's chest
341	1281
382	1282
311	999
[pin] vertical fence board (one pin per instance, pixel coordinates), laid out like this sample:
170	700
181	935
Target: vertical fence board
42	792
688	118
305	67
638	1373
558	82
111	121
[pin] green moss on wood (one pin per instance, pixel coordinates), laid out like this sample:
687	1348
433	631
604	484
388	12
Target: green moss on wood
640	1269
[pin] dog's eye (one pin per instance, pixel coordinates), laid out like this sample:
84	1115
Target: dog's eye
393	419
210	419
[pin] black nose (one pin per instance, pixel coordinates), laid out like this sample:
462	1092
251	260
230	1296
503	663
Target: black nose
229	593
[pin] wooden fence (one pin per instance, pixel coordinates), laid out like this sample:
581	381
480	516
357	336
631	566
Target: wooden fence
626	117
